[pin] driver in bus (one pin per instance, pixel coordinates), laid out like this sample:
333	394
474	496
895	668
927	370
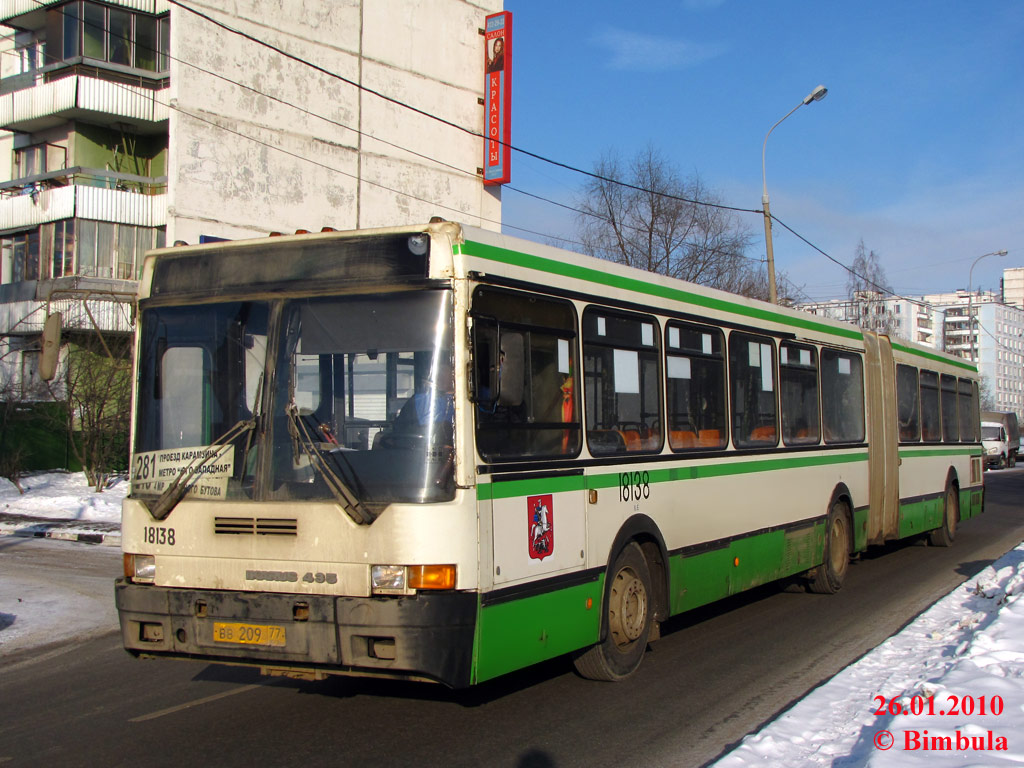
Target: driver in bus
433	402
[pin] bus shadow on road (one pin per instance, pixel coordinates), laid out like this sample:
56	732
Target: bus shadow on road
342	687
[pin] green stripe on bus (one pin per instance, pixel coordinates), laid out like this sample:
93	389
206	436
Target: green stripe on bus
522	632
918	453
514	488
933	356
541	264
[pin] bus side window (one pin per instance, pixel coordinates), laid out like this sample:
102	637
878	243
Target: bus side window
931	421
695	387
525	376
842	396
798	389
622	378
947	398
965	408
908	403
752	382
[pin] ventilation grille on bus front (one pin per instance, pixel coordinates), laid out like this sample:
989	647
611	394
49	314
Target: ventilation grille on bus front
264	526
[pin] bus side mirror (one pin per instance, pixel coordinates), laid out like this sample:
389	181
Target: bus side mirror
50	355
510	390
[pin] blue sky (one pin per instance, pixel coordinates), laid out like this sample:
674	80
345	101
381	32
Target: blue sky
918	147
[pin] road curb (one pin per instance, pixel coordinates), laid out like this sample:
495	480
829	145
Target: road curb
60	531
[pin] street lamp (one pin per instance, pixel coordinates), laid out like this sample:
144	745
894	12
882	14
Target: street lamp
970	295
816	95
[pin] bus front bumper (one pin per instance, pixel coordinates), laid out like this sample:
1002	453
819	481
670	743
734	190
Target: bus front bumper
424	636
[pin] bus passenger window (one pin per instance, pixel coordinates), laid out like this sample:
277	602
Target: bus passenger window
965	408
931	422
752	381
695	376
842	396
798	389
621	373
533	339
950	427
908	403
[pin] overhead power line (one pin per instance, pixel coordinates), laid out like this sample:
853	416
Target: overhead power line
305	62
442	120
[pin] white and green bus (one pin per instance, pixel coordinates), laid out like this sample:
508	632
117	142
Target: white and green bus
439	453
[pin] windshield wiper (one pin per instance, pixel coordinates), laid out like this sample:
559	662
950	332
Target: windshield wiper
176	491
348	500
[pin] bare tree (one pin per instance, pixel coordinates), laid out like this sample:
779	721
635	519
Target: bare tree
868	288
986	395
667	224
97	386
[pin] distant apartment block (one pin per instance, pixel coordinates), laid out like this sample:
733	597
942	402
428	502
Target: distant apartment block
986	327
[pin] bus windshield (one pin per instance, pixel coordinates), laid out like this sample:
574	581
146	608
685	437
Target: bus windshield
356	405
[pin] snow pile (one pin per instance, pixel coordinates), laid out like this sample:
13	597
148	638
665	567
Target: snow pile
64	496
966	652
62	505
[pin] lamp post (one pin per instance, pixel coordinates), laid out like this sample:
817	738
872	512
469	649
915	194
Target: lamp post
816	95
970	296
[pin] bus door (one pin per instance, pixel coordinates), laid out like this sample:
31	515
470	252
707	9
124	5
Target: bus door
527	415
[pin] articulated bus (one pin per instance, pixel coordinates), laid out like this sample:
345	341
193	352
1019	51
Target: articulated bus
439	453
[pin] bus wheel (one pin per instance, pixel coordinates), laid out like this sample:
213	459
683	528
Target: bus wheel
943	535
827	578
628	610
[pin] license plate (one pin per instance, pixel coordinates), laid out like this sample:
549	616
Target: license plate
248	634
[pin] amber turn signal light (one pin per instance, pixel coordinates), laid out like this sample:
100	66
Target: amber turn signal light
432	576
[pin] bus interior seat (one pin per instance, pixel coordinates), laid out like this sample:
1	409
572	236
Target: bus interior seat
681	439
709	438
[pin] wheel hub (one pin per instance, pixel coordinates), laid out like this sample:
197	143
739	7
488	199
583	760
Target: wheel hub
629	600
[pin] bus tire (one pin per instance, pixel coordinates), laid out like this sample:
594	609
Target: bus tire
628	613
827	578
943	535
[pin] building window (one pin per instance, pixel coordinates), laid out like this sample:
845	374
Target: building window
79	246
107	34
39	158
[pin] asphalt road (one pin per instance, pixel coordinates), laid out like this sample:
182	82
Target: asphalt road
717	674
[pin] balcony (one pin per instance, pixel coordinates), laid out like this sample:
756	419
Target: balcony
31	14
85	194
46	104
85	302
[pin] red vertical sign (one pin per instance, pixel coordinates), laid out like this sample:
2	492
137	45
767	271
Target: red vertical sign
498	98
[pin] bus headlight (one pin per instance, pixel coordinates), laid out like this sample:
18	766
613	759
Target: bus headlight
388	578
140	569
404	579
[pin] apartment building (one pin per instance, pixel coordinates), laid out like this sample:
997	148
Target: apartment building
130	124
986	327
